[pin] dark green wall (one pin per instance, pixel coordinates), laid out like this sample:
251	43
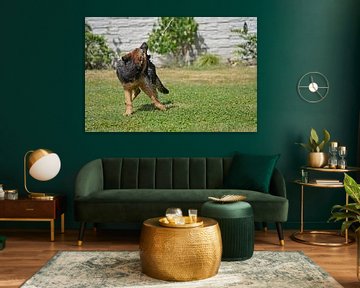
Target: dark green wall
42	88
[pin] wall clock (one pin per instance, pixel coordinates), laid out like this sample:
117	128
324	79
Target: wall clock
313	87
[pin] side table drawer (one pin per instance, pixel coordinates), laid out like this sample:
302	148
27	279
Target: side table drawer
31	209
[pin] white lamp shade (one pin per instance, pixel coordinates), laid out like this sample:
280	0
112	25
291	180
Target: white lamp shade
45	168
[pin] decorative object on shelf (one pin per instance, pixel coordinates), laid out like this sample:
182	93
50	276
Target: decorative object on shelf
333	146
313	87
342	153
228	198
350	213
327	181
11	194
304	176
2	192
43	165
317	157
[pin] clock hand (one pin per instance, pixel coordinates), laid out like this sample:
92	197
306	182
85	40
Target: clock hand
312	81
321	96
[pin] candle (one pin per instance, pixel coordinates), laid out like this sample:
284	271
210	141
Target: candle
333	144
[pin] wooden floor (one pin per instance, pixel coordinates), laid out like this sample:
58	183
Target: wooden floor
28	250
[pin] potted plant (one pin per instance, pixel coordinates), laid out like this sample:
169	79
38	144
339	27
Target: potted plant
317	157
350	213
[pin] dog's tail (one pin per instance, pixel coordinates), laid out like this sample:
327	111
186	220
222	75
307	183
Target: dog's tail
161	87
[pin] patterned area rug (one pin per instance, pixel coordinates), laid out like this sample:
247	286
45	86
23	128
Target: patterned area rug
122	269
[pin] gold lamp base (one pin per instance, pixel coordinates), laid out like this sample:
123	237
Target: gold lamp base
41	196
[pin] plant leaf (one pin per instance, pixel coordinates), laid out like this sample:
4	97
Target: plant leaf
314	136
312	144
352	188
346	225
326	136
306	146
321	146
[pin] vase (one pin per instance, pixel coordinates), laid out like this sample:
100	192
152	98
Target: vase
317	159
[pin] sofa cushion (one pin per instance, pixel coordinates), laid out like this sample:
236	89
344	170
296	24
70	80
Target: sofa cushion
251	172
266	207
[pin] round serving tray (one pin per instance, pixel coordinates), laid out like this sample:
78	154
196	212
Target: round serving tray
164	222
228	198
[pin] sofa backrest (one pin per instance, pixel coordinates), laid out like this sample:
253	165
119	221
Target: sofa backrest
165	173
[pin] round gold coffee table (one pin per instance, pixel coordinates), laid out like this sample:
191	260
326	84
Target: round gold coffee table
180	254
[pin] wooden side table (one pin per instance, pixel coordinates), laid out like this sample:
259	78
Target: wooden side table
27	209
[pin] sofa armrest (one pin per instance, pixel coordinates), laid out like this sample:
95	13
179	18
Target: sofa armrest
277	184
89	179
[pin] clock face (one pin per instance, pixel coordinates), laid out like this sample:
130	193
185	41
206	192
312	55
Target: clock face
313	87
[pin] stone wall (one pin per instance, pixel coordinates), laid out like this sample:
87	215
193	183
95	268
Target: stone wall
125	33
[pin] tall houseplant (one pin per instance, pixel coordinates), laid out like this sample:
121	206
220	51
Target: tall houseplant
350	214
317	157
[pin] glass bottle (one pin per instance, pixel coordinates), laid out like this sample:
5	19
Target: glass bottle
333	162
342	154
2	192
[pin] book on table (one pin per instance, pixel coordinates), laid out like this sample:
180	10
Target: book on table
327	181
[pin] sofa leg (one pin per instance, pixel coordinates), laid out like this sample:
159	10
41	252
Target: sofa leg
280	233
265	227
95	228
81	233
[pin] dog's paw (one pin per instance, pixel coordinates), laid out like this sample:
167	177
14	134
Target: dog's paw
128	112
160	107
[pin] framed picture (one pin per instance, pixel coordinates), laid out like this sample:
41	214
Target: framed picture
170	74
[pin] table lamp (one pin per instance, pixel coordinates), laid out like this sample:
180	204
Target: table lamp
43	165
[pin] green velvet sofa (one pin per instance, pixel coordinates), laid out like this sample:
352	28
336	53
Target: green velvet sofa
131	190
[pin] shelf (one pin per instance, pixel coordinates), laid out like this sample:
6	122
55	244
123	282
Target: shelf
313	184
348	169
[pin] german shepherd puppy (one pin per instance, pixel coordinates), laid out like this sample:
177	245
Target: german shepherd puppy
136	72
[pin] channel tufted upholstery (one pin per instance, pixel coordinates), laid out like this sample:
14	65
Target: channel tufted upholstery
131	190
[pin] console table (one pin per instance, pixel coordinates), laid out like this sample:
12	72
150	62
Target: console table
27	209
297	235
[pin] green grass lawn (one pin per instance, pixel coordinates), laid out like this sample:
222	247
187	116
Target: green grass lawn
222	99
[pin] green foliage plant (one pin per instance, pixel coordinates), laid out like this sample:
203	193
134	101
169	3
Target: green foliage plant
314	144
97	53
207	60
349	214
247	48
173	36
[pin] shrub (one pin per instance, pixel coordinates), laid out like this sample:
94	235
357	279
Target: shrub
97	54
208	59
174	36
247	49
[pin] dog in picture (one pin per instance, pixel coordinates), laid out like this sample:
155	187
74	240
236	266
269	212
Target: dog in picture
136	72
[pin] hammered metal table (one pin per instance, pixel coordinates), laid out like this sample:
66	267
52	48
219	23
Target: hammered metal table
180	254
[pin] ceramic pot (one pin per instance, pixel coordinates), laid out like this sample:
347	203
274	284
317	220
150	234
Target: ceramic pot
317	159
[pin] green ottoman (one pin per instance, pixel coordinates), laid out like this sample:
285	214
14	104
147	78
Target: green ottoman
236	221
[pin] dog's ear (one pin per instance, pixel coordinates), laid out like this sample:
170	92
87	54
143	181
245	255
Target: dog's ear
126	57
144	47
